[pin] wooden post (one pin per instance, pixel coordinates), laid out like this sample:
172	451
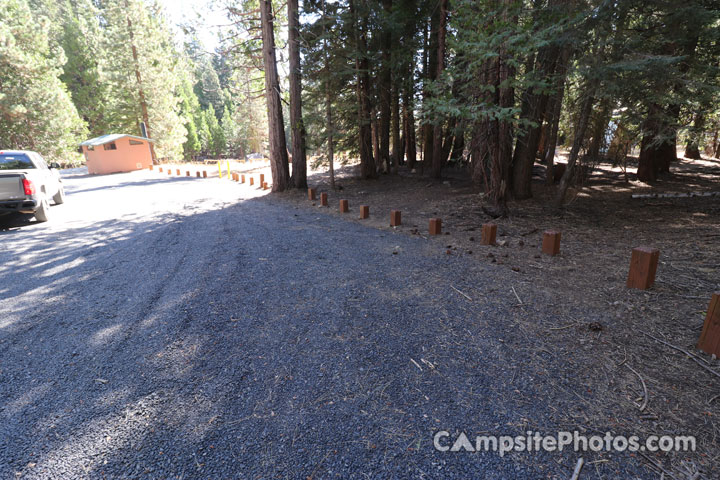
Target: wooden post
197	174
187	174
435	226
343	206
395	218
489	232
323	199
643	266
178	172
151	167
169	171
364	211
262	179
265	186
242	178
252	180
311	194
710	336
160	170
551	242
204	173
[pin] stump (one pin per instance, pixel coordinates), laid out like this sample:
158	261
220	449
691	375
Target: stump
364	211
551	242
489	232
323	199
395	218
435	226
710	336
343	206
311	194
643	266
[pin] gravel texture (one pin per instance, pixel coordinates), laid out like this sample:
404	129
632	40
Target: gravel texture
185	328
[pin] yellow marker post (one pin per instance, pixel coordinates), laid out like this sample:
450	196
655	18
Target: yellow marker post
228	165
219	169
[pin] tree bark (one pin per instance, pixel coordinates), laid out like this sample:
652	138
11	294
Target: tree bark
555	110
692	149
438	154
385	87
278	147
367	161
299	160
431	48
397	145
409	125
580	131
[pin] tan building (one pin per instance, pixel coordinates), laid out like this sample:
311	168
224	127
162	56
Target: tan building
116	153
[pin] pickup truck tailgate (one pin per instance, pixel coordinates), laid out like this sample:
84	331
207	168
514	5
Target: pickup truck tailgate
11	187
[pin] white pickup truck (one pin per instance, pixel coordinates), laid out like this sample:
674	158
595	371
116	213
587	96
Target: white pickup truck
27	184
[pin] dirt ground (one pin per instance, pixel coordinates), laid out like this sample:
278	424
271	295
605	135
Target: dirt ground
639	337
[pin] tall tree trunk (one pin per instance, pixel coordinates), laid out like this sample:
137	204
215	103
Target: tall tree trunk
438	154
384	87
367	161
397	145
299	161
554	110
599	129
431	47
138	77
458	143
329	122
409	125
533	109
278	147
580	131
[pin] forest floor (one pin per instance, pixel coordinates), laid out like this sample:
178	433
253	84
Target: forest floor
637	336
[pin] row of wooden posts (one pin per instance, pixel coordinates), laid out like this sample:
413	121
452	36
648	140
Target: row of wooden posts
237	177
643	264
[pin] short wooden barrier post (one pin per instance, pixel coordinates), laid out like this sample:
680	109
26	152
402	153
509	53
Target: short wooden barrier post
197	174
178	172
160	170
187	174
323	199
551	242
643	266
435	226
265	186
489	232
311	194
169	171
151	167
252	180
710	336
242	178
395	218
204	173
262	179
343	206
364	211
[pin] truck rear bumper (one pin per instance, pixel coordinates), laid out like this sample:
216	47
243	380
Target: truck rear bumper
21	206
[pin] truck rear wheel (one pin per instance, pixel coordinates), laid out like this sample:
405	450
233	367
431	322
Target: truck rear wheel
42	213
59	197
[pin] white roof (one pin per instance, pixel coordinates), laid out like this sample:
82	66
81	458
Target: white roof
103	139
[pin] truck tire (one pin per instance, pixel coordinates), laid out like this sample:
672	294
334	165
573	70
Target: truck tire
42	213
59	197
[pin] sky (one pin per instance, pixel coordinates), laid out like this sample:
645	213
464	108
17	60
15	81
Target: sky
199	12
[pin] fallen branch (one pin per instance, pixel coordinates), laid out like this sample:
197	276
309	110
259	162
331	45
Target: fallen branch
516	295
676	195
461	293
578	468
645	392
692	357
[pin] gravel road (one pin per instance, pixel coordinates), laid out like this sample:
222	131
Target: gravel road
188	328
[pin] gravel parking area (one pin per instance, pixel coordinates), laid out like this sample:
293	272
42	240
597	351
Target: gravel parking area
186	328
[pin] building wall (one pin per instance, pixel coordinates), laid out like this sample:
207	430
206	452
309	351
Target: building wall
125	158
